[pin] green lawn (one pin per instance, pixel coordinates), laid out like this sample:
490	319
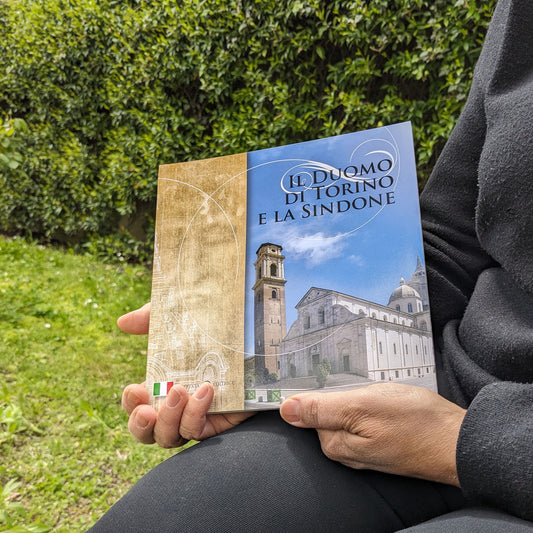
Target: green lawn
66	454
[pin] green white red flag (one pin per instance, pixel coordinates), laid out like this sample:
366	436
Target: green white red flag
162	388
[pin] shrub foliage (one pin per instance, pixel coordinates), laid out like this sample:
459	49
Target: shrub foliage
110	89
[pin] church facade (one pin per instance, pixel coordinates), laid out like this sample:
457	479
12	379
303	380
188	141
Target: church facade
378	342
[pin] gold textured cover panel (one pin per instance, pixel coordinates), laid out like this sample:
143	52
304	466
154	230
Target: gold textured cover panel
197	318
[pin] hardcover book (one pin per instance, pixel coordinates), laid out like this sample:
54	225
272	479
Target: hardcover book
290	269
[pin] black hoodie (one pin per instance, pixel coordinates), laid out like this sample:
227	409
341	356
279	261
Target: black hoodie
477	213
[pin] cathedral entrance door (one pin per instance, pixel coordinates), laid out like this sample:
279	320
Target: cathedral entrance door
346	363
316	360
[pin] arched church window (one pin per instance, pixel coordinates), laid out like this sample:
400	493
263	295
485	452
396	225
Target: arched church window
409	308
320	315
274	294
307	321
398	308
273	270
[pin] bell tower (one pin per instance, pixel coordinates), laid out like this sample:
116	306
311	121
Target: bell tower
270	325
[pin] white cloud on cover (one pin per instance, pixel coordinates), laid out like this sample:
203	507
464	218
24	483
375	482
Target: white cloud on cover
356	260
313	247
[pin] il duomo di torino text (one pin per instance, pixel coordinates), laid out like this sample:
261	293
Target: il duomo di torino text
320	186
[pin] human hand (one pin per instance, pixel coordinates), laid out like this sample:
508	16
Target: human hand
181	417
394	428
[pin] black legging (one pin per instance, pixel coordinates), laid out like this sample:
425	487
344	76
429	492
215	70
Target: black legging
266	475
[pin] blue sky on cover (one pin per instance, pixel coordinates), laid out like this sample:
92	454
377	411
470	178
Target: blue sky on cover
363	252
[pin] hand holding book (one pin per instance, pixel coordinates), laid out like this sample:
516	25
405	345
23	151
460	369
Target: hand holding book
390	427
182	417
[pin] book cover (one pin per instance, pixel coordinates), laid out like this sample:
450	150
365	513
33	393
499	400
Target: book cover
288	269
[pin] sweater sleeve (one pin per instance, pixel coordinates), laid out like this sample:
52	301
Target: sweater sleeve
499	427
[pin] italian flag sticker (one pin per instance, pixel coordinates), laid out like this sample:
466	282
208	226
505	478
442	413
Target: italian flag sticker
163	388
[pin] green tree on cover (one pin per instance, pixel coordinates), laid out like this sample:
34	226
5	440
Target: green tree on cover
323	370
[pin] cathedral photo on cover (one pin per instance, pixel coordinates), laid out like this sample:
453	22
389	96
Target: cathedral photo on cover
336	292
337	340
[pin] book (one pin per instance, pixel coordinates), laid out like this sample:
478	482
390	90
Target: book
289	269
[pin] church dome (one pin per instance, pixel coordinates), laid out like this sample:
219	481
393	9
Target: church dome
403	292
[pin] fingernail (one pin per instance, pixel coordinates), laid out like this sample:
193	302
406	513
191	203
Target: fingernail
201	393
141	421
290	410
133	397
173	398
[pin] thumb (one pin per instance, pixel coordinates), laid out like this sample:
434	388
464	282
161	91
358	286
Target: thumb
314	410
137	322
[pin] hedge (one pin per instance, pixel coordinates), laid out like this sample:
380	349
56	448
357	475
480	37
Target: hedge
110	89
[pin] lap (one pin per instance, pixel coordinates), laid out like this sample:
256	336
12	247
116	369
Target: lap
265	475
473	520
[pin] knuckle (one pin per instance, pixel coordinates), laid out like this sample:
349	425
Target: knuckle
132	397
190	432
141	425
167	444
126	400
144	437
166	437
313	412
350	418
187	436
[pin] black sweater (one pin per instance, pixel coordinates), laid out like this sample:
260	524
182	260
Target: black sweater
477	212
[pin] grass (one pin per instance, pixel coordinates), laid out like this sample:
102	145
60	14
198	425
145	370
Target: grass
66	454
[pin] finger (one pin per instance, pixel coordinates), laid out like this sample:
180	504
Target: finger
141	424
167	427
194	419
134	395
136	322
317	410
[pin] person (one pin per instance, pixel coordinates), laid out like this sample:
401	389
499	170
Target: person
392	457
